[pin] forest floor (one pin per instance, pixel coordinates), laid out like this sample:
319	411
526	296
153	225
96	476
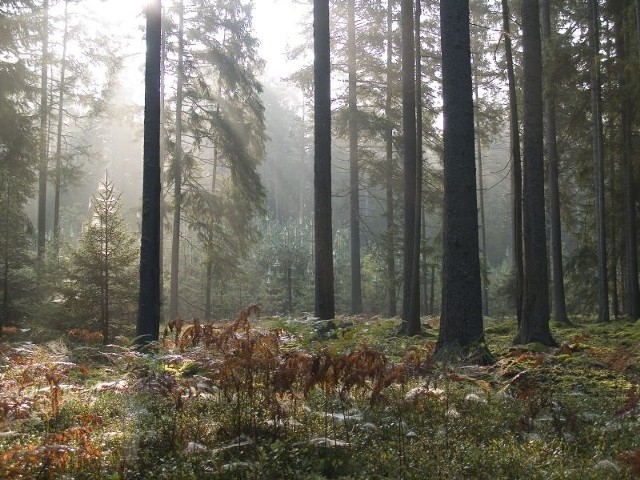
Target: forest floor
272	399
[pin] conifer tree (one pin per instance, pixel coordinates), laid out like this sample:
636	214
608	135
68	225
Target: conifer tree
103	268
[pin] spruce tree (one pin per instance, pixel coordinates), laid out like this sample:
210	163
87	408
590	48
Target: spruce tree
104	267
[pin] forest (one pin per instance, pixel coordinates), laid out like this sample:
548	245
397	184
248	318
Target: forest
319	239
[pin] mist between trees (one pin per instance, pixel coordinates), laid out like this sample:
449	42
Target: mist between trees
237	157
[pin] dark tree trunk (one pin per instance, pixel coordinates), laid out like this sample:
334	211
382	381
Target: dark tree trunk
559	304
598	161
632	300
534	326
461	327
354	187
613	223
58	179
44	135
174	298
417	214
324	294
391	260
410	322
516	171
148	325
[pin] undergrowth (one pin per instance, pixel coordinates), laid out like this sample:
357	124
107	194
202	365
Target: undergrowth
270	399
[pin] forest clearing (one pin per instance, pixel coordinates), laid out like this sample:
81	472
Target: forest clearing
269	398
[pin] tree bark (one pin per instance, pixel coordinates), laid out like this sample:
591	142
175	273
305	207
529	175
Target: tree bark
557	268
324	283
534	326
632	300
598	161
483	232
148	324
461	328
44	135
354	174
58	180
417	215
410	323
391	262
516	171
174	299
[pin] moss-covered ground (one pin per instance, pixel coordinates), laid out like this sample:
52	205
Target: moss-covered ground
270	398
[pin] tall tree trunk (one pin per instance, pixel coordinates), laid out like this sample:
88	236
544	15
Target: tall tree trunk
615	303
632	301
324	293
559	304
4	314
354	187
613	185
163	159
177	186
598	160
534	326
516	171
391	260
483	231
417	215
44	135
148	324
58	179
410	323
461	325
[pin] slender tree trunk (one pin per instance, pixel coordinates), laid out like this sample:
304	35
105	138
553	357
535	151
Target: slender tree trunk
516	171
432	293
632	291
354	187
534	326
301	179
461	325
391	261
598	161
424	276
483	231
410	323
58	179
44	135
4	315
207	291
557	269
613	219
614	247
177	186
323	234
106	226
417	222
148	324
163	159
